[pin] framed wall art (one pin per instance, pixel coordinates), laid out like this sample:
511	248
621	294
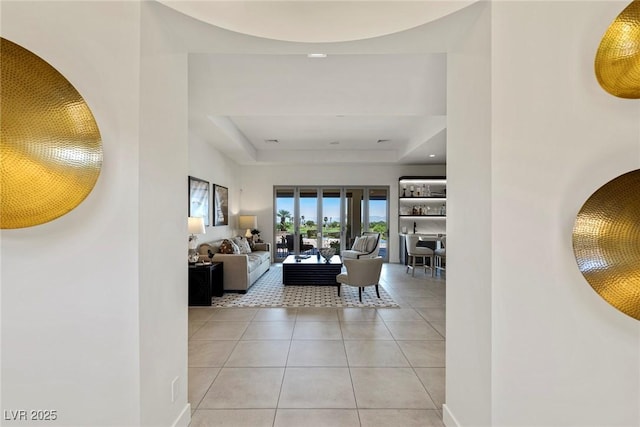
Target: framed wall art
199	198
220	205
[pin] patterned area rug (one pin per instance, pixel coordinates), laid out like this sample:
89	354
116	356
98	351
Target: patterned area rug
268	291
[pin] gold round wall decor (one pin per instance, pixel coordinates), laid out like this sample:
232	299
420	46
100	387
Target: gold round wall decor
50	145
617	62
606	242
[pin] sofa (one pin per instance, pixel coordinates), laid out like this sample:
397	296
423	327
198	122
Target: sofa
241	270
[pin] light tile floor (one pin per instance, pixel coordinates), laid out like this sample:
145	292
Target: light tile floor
279	367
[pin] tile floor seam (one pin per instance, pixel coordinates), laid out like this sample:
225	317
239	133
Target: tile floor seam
208	388
219	371
434	328
424	387
353	390
194	332
284	374
414	371
234	347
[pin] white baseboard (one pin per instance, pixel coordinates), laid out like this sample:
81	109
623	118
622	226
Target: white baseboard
184	418
447	417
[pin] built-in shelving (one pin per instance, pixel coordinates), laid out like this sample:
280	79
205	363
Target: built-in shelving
422	209
422	204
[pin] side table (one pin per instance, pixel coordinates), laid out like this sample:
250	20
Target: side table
205	281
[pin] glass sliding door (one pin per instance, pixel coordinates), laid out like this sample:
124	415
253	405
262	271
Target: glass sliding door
284	211
308	218
378	217
332	229
353	214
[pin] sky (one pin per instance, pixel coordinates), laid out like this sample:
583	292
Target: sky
331	207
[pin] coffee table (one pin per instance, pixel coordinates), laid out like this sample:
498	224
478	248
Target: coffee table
311	271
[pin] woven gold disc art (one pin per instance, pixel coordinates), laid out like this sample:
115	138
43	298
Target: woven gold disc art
617	62
50	145
606	242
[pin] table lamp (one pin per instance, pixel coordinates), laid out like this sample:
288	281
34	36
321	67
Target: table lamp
195	225
248	222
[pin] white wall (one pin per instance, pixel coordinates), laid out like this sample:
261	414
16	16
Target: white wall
561	355
163	246
256	188
102	330
70	338
469	227
205	162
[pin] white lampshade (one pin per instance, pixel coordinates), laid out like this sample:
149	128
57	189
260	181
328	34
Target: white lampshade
248	222
196	225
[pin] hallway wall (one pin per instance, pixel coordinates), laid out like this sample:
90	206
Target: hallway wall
469	224
561	355
163	227
70	336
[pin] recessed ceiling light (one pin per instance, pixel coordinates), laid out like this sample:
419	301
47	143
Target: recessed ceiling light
316	55
271	141
432	155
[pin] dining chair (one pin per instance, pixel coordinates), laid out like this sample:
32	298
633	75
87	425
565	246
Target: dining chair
440	255
414	251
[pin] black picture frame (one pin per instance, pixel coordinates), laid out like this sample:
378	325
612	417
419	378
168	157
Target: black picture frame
199	198
220	205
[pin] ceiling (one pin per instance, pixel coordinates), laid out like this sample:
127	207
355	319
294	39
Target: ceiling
265	101
348	108
317	21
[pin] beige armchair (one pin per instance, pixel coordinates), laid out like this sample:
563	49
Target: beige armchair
361	273
365	246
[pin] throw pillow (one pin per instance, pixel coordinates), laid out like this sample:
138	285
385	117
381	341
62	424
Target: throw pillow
371	242
227	247
360	244
243	244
